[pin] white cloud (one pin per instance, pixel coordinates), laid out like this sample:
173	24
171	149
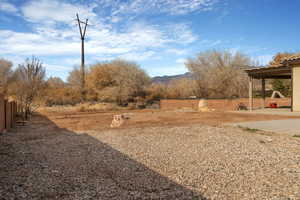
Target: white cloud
34	44
167	70
7	7
139	56
138	38
57	68
263	59
211	43
50	11
182	33
55	35
180	60
172	7
55	32
176	51
72	61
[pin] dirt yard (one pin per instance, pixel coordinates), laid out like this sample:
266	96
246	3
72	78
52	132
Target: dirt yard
149	118
155	155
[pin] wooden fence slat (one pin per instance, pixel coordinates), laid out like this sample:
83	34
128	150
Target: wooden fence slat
8	114
2	113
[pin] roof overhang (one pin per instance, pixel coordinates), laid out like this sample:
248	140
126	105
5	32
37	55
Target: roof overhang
292	61
280	71
271	72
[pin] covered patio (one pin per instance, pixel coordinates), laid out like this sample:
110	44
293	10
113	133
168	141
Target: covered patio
288	69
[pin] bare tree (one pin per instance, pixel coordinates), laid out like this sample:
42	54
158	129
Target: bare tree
220	74
29	83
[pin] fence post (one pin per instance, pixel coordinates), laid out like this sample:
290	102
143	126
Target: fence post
8	115
5	114
2	113
12	108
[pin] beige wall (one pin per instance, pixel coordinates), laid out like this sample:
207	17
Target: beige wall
296	88
220	104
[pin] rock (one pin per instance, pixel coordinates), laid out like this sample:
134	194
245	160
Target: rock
117	121
203	106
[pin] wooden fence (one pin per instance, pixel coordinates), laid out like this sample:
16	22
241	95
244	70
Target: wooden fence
8	114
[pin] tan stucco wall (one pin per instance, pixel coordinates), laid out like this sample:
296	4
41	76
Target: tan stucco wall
296	88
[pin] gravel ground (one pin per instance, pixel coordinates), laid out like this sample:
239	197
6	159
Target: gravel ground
42	161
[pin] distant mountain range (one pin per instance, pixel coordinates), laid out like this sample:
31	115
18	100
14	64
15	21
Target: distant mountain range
168	79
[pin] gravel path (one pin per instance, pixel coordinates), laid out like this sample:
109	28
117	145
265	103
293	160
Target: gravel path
194	162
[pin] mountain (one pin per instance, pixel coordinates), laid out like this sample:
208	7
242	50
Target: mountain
168	79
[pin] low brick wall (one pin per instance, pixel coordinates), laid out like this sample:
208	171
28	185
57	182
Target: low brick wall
219	104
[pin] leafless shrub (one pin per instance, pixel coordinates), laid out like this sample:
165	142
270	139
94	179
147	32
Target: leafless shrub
28	83
220	74
5	75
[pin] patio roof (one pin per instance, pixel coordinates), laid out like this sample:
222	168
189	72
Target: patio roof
271	72
280	71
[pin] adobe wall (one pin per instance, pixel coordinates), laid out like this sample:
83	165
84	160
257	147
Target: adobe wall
219	104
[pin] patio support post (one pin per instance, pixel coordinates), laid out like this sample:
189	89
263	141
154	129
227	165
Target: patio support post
250	93
263	92
292	85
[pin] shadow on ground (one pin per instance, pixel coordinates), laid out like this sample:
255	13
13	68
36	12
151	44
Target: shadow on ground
43	161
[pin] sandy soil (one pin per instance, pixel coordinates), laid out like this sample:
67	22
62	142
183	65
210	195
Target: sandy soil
76	156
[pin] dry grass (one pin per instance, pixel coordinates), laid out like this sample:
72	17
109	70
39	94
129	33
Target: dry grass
83	107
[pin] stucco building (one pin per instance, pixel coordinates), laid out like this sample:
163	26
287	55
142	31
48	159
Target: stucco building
288	69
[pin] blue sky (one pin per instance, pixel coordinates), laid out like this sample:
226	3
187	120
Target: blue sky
157	34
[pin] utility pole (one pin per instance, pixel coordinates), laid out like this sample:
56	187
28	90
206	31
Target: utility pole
82	31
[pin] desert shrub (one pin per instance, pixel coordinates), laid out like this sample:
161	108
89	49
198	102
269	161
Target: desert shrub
156	91
117	81
181	88
89	107
62	96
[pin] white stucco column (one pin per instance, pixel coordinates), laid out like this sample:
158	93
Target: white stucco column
296	88
250	93
263	93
